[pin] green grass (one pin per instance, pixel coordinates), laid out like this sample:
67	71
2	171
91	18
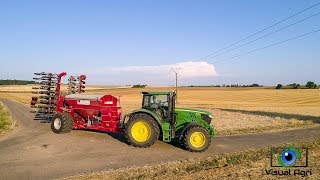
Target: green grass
6	122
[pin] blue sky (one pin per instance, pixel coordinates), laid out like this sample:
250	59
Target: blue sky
130	42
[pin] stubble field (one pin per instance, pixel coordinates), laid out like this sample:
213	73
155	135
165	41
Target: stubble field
235	110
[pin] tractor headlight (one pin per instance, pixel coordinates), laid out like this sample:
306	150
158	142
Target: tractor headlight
207	118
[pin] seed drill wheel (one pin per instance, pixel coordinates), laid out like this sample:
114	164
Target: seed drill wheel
62	123
142	130
196	139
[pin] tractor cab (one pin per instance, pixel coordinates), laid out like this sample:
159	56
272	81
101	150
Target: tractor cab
163	105
160	103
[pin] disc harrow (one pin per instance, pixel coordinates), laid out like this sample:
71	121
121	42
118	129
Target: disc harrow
46	93
76	84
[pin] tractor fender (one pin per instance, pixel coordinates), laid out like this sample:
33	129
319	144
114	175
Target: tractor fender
153	115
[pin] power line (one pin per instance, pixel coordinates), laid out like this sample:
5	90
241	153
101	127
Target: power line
266	35
255	50
259	31
259	49
249	52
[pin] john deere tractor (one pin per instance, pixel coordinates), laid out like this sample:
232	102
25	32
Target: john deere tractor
158	118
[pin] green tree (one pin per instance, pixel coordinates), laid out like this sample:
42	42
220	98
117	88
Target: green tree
139	86
295	86
15	82
279	86
311	85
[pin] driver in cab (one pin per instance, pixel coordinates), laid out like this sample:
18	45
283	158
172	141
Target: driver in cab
154	103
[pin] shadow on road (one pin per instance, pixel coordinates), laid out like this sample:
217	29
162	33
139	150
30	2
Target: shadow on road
118	136
176	143
122	138
314	119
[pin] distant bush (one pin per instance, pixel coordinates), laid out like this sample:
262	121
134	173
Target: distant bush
229	85
139	86
255	85
295	86
203	86
311	85
15	82
279	86
252	85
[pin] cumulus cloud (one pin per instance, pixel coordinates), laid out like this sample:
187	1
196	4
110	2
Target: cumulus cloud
187	69
190	72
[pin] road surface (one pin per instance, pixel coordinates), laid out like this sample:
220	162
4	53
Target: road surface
33	151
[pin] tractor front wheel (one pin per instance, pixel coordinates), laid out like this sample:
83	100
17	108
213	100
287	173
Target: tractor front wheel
196	139
62	123
142	130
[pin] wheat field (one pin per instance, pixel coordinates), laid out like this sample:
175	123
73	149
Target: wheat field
235	110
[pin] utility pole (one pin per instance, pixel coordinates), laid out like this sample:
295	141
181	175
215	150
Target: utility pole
176	71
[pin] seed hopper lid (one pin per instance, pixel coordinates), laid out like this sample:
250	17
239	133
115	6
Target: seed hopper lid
84	96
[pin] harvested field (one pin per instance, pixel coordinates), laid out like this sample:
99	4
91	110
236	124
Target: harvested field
235	110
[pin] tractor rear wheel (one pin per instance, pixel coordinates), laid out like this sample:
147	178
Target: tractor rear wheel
196	139
62	123
142	130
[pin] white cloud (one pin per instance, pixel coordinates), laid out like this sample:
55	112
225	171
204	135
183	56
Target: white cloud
189	73
188	69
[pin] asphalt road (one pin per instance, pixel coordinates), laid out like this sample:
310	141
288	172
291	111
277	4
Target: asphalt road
33	151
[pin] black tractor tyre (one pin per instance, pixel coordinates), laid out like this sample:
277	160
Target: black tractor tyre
147	120
194	147
62	123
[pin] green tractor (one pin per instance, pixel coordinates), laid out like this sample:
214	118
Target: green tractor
160	119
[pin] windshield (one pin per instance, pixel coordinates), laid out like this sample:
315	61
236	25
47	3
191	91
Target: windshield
155	101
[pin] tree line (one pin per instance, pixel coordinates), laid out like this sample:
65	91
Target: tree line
15	82
230	85
139	86
308	85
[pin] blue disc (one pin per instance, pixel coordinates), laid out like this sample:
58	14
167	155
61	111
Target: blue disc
288	157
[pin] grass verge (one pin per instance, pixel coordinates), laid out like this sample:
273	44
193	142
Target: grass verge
6	122
249	164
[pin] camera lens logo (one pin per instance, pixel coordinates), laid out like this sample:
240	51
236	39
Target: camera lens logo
289	157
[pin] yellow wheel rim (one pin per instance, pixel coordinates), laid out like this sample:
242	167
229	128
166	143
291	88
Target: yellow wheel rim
197	139
140	131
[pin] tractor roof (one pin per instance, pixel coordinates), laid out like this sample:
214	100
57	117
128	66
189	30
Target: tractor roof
155	93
